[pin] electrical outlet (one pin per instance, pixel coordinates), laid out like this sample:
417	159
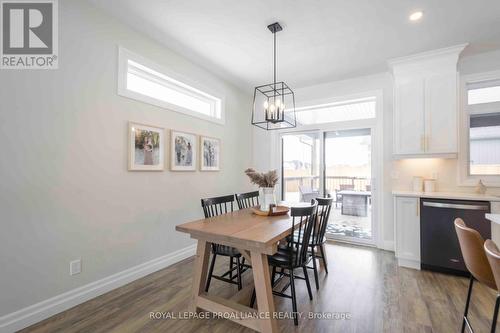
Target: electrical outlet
434	175
394	174
75	267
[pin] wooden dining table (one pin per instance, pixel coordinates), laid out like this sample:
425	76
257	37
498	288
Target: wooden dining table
255	237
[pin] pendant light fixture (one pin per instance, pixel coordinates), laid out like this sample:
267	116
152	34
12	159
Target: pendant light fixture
274	103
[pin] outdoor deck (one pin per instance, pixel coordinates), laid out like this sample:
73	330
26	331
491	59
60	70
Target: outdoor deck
343	225
350	226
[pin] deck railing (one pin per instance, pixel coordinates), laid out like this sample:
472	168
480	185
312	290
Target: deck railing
332	184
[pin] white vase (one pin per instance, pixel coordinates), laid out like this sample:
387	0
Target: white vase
267	197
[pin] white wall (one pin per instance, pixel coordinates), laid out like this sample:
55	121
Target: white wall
65	189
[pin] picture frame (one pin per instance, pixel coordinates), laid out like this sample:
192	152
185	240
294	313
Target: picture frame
146	145
210	150
183	151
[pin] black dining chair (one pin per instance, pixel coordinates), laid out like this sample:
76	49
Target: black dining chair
247	200
318	238
213	207
294	255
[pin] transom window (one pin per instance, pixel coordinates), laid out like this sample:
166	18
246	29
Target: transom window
362	108
146	81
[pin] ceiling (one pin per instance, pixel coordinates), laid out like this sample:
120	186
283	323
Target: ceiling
322	40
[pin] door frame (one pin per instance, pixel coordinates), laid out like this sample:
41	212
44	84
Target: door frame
376	127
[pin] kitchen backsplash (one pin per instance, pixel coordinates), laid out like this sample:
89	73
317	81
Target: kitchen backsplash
445	171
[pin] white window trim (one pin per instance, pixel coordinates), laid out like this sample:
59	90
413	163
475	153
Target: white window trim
124	55
464	177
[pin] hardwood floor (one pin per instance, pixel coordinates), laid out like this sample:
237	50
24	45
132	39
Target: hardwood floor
365	283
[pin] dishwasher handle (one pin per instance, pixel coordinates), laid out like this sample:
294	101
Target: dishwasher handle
455	206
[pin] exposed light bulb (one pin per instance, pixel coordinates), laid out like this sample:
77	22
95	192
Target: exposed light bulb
266	105
272	107
278	103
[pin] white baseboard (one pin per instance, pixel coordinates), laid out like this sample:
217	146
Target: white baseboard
37	312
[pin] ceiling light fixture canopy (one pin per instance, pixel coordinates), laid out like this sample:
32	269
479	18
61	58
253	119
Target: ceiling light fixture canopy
274	103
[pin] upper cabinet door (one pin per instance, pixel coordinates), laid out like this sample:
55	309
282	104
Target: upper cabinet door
441	114
425	113
409	117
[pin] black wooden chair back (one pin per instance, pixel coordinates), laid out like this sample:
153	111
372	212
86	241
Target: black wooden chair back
302	222
213	207
323	214
247	200
217	205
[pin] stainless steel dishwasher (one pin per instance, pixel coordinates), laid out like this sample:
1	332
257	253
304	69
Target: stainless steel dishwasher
439	247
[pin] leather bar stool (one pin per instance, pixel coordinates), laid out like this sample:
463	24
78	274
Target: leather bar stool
471	245
493	255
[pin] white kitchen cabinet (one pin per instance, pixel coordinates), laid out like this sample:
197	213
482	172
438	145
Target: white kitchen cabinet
425	104
409	125
441	114
407	231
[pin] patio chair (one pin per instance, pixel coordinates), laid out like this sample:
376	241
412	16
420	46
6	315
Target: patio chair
307	193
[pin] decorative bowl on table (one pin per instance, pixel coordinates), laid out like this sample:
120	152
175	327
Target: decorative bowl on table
273	211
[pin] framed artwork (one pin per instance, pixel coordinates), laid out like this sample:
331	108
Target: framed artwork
146	147
183	151
209	154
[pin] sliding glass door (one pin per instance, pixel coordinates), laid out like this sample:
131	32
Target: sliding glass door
300	166
336	163
348	174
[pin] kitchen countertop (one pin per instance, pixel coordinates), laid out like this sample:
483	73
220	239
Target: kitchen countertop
448	195
495	218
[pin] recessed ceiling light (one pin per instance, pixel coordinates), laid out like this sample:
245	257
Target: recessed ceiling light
415	16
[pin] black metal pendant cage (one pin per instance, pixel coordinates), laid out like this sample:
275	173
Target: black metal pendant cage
274	103
274	106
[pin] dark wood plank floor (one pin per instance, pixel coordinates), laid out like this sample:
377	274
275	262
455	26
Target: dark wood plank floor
366	283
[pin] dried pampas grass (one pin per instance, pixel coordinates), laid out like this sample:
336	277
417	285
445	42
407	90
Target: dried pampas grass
268	179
